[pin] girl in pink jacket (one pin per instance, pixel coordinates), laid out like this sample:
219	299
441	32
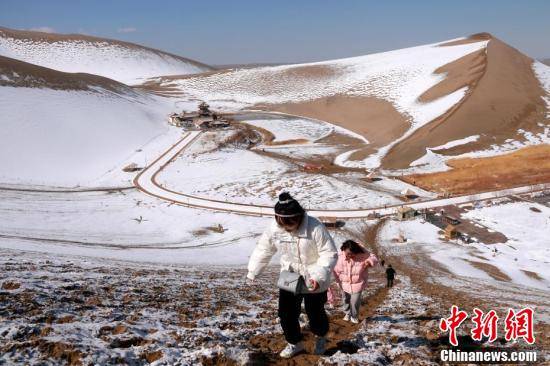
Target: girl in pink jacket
351	273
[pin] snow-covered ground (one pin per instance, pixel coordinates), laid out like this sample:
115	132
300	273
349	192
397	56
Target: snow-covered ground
243	176
84	311
129	64
526	225
526	250
126	225
542	71
72	138
147	181
396	329
285	129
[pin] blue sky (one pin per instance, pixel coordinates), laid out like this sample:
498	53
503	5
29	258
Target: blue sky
225	32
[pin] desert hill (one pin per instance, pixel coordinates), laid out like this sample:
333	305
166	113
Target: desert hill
65	129
22	74
464	96
122	61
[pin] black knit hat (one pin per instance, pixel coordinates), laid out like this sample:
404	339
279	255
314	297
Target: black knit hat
288	206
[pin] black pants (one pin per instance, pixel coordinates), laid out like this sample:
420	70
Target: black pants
290	307
390	282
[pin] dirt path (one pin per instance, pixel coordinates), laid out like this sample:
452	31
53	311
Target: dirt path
341	332
399	326
268	346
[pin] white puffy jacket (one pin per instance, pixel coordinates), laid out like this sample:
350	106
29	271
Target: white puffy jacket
314	257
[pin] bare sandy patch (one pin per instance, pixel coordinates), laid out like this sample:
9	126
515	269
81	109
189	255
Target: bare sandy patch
374	118
532	275
308	72
491	270
466	71
530	165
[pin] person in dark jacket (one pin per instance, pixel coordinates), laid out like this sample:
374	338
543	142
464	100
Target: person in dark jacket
390	275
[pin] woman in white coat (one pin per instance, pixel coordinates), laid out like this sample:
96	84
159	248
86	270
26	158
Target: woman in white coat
306	248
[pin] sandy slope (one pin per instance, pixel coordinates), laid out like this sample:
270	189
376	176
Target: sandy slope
504	96
22	74
402	101
122	61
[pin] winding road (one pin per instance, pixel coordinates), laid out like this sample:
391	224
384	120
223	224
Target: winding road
146	182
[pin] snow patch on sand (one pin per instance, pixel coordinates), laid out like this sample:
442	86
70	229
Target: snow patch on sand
527	248
542	72
455	143
293	128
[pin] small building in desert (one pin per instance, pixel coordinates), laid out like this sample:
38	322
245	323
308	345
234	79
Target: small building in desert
373	215
203	118
331	222
451	232
405	213
451	220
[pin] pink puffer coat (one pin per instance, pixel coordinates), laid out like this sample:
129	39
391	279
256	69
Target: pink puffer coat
352	274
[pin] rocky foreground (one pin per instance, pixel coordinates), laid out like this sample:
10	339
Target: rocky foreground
88	311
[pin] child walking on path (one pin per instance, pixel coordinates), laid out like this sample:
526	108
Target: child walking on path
390	276
351	273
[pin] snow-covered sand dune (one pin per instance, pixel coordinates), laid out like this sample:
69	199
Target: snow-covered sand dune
125	62
403	102
69	138
399	76
68	130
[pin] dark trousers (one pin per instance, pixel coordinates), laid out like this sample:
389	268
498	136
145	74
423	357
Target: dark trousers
390	282
290	307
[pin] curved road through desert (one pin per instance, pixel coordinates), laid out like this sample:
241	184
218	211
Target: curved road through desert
146	182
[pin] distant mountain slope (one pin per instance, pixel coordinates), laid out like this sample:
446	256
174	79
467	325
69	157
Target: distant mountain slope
22	74
475	93
122	61
62	129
